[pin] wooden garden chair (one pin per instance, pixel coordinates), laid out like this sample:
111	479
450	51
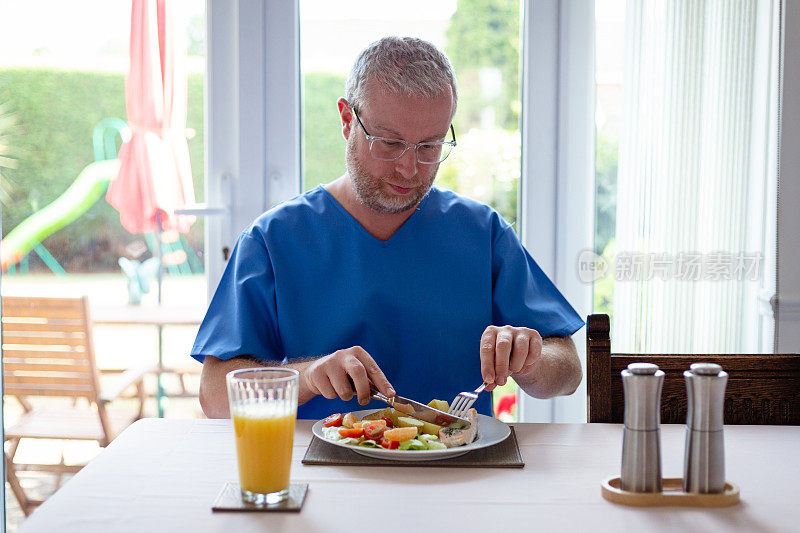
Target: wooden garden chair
762	388
48	352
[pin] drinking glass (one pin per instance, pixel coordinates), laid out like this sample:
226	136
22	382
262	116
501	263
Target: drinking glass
263	404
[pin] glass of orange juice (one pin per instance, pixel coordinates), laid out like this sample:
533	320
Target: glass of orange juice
263	404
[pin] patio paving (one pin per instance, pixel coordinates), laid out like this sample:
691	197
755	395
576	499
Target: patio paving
116	346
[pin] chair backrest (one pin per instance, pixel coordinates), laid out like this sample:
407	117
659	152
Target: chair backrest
47	348
762	388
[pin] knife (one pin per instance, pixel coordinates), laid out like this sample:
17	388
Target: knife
418	410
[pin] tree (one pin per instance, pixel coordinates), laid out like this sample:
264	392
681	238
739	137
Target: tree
606	191
484	34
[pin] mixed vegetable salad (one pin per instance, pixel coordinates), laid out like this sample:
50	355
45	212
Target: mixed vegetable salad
395	430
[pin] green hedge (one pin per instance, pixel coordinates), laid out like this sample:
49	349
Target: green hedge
323	146
56	112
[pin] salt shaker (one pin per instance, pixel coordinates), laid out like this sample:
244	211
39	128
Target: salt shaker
641	437
704	456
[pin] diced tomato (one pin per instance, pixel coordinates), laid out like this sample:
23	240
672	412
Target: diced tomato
374	431
389	423
354	432
335	420
390	444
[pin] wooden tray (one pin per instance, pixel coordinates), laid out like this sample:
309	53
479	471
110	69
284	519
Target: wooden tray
672	494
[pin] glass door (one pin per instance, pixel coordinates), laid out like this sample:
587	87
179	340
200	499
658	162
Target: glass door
63	121
685	175
485	56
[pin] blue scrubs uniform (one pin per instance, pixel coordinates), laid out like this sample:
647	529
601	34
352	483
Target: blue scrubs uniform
306	279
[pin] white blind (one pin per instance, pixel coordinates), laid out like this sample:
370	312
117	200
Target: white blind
694	174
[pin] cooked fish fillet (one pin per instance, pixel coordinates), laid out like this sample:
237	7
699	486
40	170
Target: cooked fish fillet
452	437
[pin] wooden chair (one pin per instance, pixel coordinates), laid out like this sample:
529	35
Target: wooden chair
48	351
762	388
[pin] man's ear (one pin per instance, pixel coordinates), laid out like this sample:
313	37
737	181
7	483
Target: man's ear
346	116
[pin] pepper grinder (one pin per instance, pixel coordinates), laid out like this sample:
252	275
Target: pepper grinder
704	457
641	437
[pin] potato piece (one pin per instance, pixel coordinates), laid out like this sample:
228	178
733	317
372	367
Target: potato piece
432	429
424	427
408	422
404	408
440	405
377	415
394	415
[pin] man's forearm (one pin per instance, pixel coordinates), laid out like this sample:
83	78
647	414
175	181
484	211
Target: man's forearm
557	373
213	388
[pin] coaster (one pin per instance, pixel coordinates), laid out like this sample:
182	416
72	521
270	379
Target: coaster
229	500
504	454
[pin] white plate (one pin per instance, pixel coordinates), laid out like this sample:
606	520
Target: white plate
490	432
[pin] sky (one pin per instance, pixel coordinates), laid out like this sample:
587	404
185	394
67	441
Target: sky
91	34
94	34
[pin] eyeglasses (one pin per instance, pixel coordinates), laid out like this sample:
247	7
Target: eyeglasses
428	153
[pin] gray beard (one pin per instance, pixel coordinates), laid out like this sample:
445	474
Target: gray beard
368	190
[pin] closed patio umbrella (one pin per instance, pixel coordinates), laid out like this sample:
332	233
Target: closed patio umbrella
155	176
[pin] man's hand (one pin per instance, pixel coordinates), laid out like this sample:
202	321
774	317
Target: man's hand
508	350
337	374
334	375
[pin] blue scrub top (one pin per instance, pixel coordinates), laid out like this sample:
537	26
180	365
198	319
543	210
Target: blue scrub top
306	279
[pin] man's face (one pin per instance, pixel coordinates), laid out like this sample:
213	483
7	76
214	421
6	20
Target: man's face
392	187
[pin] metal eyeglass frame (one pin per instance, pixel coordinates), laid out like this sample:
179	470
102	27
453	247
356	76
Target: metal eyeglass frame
373	138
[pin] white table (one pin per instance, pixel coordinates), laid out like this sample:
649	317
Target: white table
163	475
148	315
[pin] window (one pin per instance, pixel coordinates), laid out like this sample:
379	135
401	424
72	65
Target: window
685	169
486	163
62	117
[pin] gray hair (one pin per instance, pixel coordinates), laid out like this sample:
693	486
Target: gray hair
402	65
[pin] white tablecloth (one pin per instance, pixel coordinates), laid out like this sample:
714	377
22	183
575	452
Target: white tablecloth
164	475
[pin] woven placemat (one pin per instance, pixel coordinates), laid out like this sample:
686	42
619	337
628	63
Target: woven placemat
504	454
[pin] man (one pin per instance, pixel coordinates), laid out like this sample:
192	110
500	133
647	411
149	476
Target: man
380	278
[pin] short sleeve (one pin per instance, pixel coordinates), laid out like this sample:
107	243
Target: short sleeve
242	317
523	295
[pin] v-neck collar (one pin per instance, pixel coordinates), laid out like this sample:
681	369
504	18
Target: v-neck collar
354	220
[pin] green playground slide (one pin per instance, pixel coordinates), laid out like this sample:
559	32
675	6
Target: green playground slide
87	188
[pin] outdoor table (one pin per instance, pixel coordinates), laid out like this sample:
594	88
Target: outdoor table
158	316
164	475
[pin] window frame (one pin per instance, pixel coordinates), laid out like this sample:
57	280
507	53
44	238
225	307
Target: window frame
253	151
786	302
560	64
2	411
231	27
558	146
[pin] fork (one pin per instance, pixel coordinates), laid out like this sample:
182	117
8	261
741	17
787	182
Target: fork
463	401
